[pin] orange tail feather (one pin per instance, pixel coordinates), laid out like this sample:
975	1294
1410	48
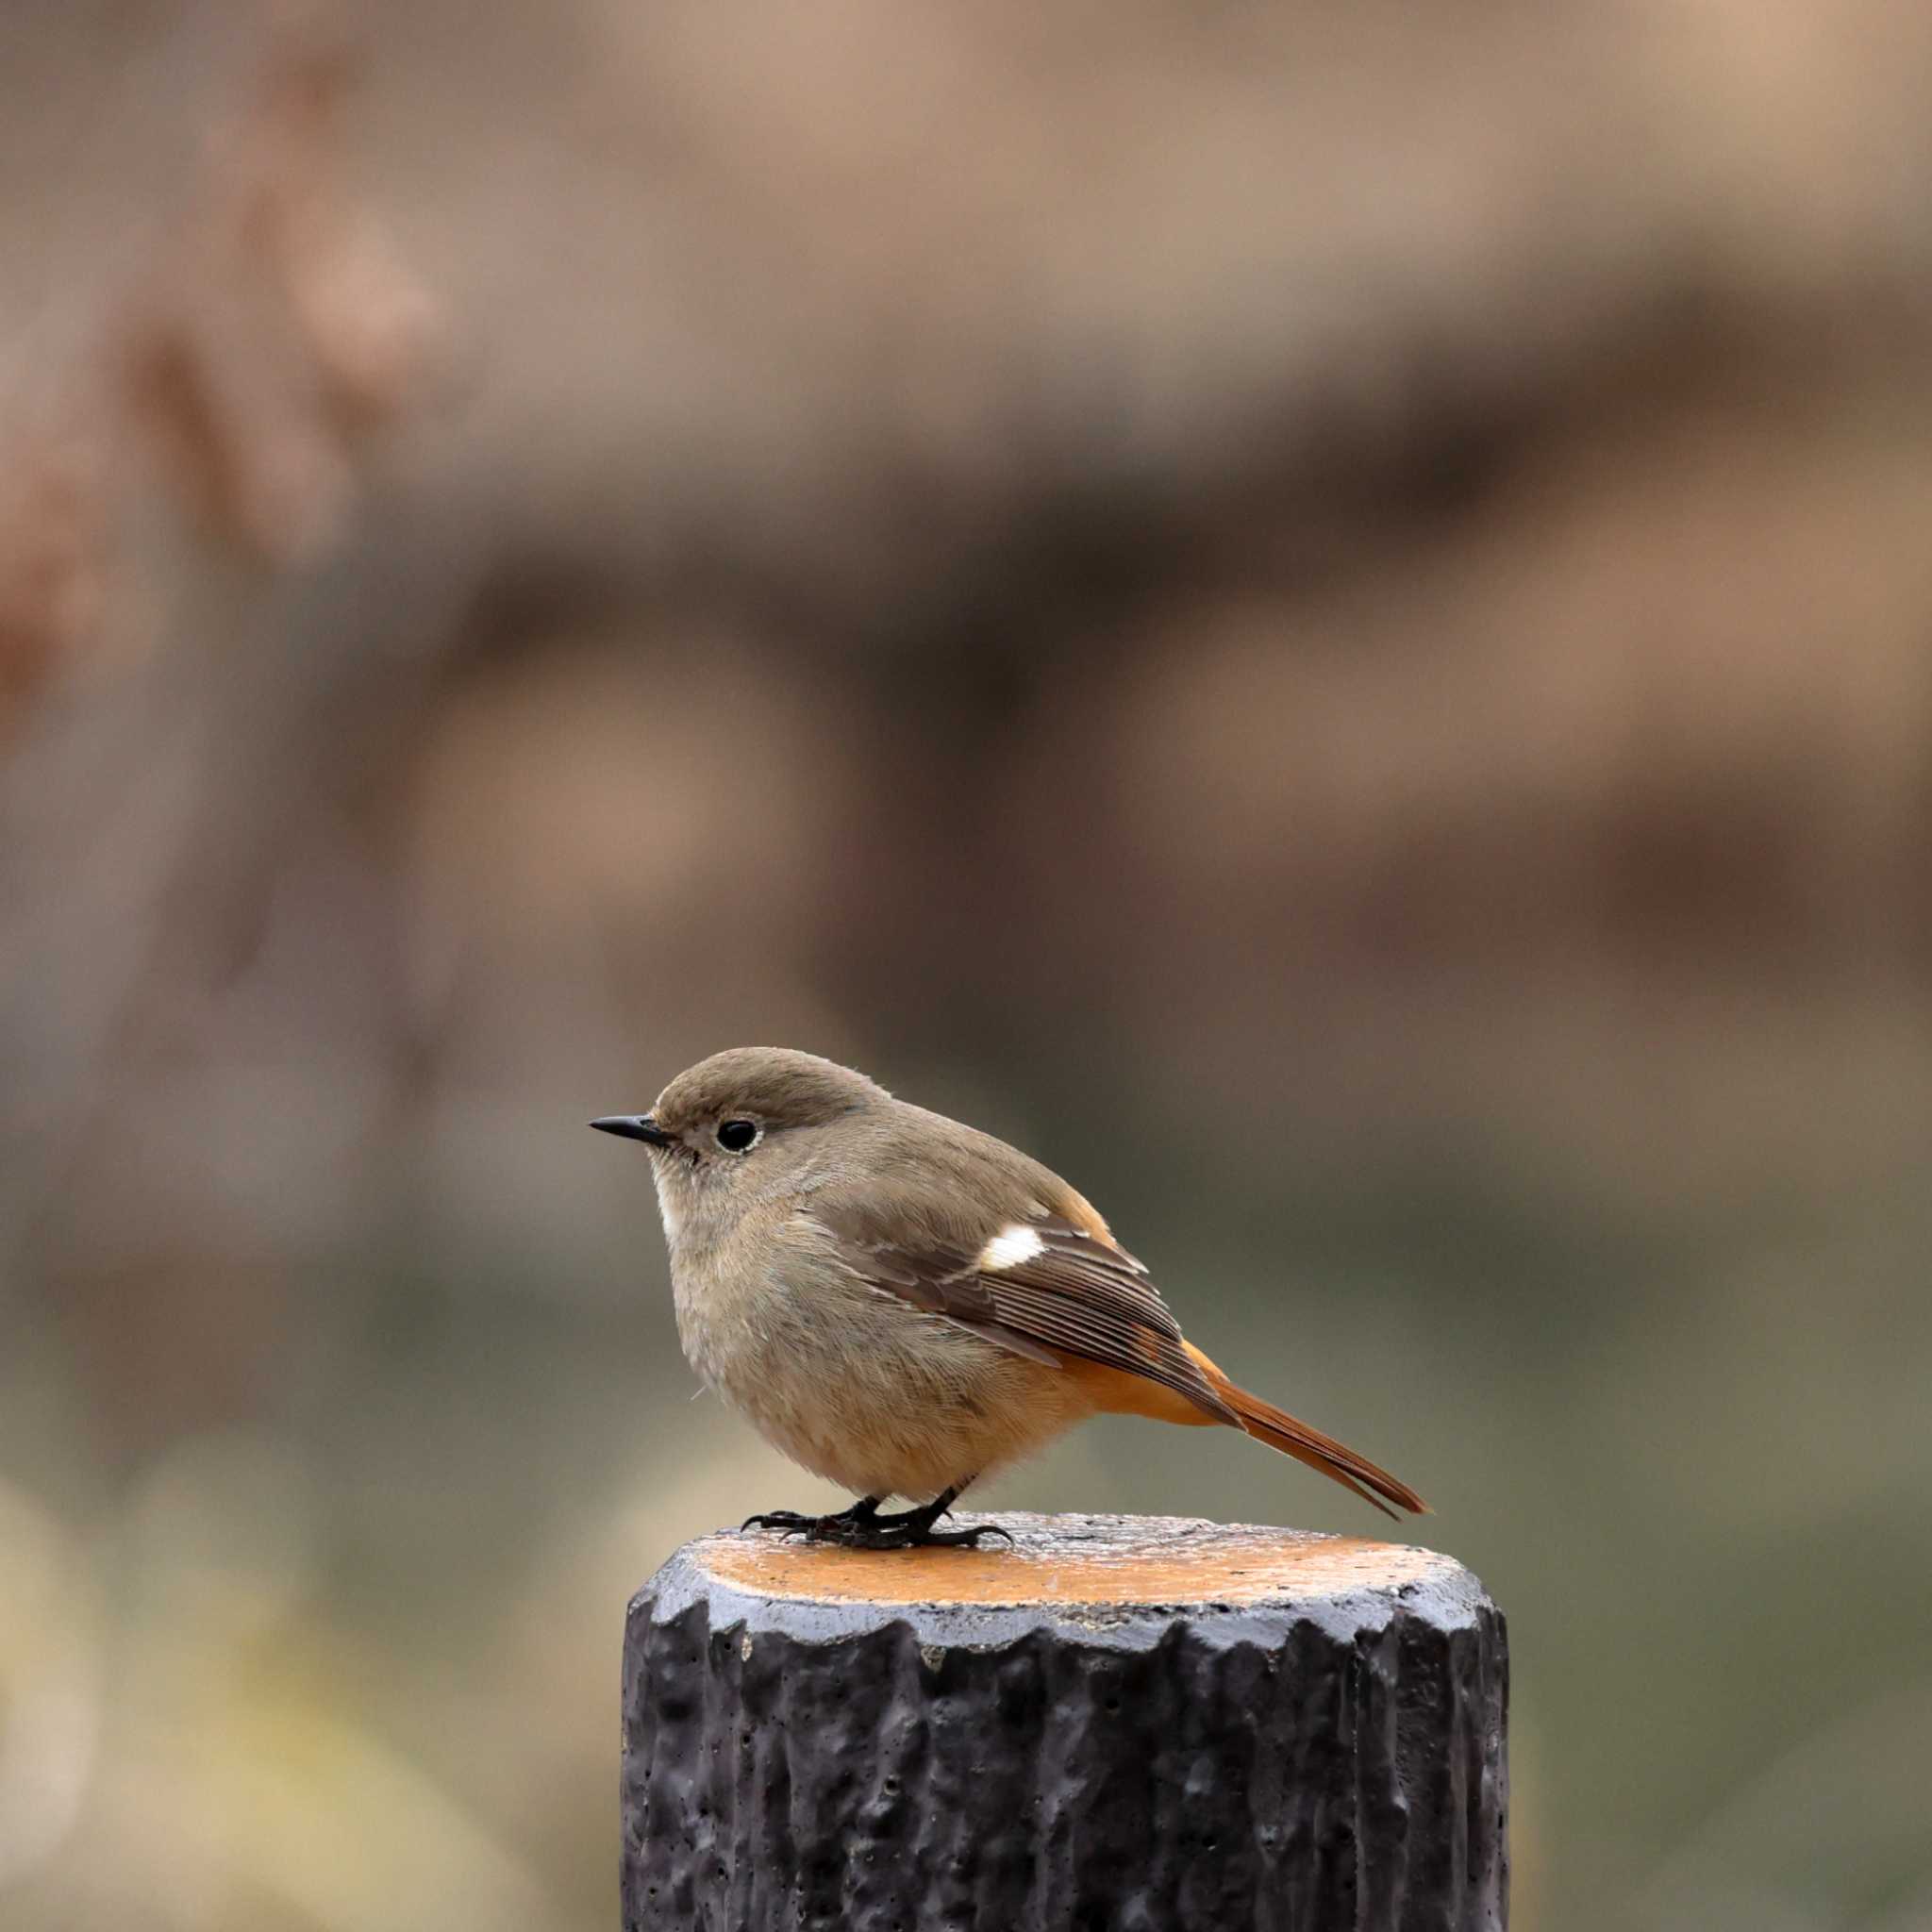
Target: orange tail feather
1282	1431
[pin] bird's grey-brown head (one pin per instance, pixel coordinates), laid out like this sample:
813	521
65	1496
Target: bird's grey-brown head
720	1115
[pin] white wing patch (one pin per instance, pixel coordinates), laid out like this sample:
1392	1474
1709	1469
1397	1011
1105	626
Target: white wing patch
1009	1248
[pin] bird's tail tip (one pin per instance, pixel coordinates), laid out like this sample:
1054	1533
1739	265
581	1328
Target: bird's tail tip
1333	1459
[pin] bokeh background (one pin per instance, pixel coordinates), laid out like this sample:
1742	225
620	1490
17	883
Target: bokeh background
1323	615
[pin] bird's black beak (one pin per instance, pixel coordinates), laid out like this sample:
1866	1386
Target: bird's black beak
634	1126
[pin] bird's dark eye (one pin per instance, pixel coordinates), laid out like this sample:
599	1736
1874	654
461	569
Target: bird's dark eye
737	1136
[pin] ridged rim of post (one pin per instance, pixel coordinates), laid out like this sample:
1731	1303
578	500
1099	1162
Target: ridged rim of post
1114	1580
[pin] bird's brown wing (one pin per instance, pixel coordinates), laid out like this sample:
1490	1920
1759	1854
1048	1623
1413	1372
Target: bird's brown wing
1041	1288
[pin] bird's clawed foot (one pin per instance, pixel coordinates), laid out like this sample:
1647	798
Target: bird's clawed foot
861	1527
788	1520
944	1539
850	1532
817	1529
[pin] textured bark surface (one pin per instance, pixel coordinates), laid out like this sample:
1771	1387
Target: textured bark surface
1121	1725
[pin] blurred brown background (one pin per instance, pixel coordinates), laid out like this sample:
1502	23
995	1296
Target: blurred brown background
1324	615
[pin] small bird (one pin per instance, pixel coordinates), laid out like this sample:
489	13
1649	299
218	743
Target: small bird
901	1302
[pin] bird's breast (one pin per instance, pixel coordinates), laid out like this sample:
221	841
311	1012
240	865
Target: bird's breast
856	1384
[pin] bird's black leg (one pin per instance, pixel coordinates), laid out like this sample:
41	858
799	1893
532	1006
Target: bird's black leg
817	1529
906	1529
915	1527
861	1527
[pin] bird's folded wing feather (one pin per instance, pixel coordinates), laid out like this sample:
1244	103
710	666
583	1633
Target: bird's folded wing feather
1041	1286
